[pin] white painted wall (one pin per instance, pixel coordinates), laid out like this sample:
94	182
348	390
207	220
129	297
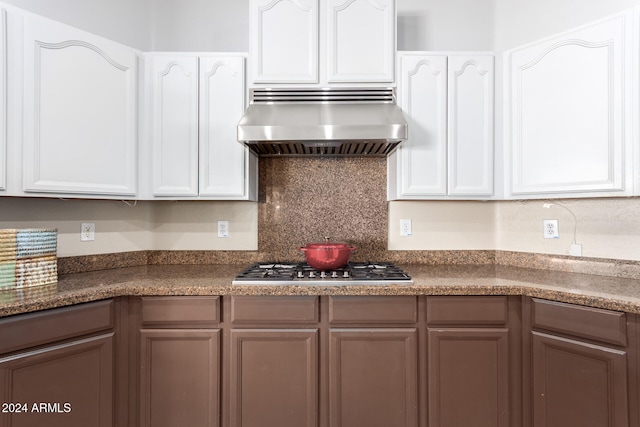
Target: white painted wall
443	225
201	25
519	22
145	226
126	21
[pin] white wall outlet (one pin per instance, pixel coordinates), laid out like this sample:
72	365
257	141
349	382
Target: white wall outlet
405	227
550	227
223	228
87	231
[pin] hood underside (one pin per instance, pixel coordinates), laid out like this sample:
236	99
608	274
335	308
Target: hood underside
322	122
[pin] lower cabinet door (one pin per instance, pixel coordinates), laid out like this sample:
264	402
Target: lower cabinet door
373	377
578	384
274	377
468	377
67	385
179	377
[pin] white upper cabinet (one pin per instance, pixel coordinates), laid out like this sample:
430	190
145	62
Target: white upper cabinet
569	119
448	104
361	40
284	41
470	129
3	100
194	104
422	95
227	169
322	42
174	131
80	112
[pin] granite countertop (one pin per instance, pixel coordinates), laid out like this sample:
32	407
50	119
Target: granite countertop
596	291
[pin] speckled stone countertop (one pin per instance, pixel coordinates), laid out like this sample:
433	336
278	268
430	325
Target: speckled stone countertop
596	291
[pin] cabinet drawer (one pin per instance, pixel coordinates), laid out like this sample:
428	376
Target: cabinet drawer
274	309
586	322
181	311
467	310
30	330
373	309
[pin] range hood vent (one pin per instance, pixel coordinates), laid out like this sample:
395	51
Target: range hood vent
322	122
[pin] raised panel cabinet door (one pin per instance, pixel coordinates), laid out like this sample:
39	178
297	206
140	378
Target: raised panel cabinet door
80	112
179	377
468	371
3	100
224	162
174	92
274	377
373	377
421	160
578	384
284	41
360	40
67	385
470	125
568	111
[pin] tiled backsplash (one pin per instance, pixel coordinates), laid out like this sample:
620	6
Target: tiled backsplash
303	200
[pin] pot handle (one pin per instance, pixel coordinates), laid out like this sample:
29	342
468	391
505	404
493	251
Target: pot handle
303	249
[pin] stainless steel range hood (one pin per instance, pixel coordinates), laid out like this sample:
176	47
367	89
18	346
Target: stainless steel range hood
322	122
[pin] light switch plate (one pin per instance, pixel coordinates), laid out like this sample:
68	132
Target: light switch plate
223	228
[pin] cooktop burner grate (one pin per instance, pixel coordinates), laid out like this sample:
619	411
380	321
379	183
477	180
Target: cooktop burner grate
369	273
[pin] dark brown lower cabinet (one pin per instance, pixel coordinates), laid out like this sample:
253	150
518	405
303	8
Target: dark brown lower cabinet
578	384
58	367
274	377
472	361
579	366
179	361
373	377
180	377
468	377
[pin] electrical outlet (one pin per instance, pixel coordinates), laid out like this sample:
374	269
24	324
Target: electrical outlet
550	227
223	228
87	231
405	227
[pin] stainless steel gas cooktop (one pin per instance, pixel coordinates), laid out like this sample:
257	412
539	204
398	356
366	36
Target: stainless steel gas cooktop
354	273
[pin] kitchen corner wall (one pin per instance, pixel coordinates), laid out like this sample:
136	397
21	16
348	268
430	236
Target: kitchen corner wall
122	227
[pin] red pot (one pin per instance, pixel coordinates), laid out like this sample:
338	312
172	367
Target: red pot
327	255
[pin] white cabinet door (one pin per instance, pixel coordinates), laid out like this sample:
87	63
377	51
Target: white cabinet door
470	129
569	123
448	104
80	112
3	100
174	134
360	40
422	95
284	41
224	165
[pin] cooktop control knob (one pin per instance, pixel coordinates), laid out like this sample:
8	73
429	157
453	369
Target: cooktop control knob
300	274
312	274
345	274
334	274
323	275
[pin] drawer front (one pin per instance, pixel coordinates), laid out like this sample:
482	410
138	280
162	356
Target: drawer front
274	309
467	310
181	311
373	309
33	329
586	322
